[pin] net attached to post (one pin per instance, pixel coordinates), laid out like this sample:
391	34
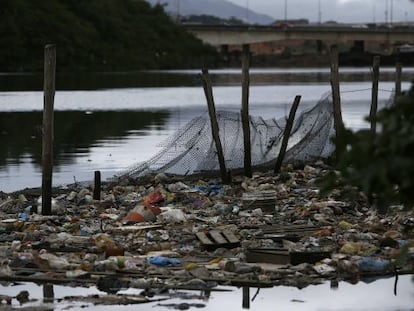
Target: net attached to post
191	149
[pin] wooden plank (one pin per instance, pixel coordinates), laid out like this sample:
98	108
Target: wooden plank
126	273
230	237
274	256
203	238
284	256
279	237
290	229
291	233
217	237
134	228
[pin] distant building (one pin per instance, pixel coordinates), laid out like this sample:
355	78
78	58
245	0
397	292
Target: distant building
406	48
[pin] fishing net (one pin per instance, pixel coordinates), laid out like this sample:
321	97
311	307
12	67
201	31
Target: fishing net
192	149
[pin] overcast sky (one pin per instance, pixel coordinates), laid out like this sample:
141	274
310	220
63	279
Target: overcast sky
348	11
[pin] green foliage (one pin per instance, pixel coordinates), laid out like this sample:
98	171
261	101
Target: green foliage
381	165
96	35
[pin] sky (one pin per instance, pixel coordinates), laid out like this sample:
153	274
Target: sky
347	11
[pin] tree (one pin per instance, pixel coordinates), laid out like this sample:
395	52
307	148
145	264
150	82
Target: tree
381	166
96	35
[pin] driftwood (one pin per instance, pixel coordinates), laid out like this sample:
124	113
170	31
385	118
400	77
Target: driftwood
59	277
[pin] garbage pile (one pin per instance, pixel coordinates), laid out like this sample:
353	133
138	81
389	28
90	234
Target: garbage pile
166	231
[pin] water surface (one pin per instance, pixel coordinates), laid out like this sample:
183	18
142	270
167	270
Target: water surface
109	122
376	295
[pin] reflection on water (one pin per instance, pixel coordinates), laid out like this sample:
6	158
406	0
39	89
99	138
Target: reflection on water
83	142
109	130
293	77
109	122
96	81
75	132
374	296
179	78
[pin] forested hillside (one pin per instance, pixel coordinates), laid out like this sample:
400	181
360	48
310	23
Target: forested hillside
95	35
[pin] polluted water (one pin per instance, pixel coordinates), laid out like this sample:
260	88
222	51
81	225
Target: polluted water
372	295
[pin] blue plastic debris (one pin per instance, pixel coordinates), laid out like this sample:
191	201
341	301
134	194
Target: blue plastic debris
23	216
373	264
164	261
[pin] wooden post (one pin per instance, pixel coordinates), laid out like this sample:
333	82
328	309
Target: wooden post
48	293
97	186
47	131
398	78
286	134
336	97
374	101
208	91
245	111
246	297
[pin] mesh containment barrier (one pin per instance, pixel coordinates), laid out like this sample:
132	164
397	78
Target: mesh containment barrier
191	150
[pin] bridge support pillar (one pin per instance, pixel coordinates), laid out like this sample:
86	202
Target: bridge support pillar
359	46
224	49
319	46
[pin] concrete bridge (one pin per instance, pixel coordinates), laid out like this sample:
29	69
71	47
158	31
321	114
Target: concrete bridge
332	34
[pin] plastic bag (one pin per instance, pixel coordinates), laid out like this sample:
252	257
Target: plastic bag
372	264
164	261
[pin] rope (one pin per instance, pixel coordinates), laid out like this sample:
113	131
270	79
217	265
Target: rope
367	89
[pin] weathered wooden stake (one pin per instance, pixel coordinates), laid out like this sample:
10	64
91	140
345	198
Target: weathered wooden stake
97	186
48	293
336	97
398	78
286	134
246	297
245	111
208	91
374	102
47	131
